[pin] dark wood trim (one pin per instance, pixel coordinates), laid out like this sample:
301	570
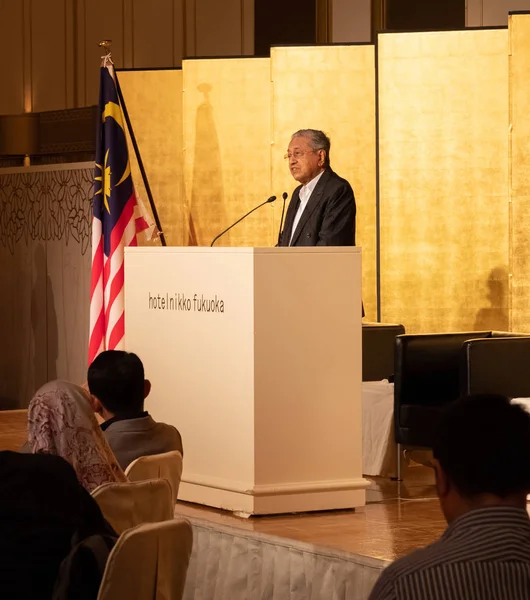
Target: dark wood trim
378	18
324	21
377	191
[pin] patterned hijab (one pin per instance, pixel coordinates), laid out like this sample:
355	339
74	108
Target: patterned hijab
61	421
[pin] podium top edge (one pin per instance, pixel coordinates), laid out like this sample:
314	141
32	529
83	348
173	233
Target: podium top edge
243	250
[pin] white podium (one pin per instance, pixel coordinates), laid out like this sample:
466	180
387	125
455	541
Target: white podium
255	356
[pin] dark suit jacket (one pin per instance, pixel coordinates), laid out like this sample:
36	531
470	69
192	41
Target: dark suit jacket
328	218
43	508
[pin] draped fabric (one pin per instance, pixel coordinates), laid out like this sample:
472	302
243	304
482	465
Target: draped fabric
228	563
379	444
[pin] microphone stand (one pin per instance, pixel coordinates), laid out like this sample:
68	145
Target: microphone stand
284	196
271	199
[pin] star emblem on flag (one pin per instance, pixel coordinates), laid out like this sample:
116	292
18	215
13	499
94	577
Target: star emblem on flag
104	179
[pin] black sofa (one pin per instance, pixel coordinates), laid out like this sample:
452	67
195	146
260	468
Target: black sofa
432	370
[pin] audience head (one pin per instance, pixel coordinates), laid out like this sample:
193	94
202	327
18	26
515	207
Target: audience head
482	455
61	422
116	383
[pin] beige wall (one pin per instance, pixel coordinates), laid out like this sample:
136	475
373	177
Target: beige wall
45	262
488	13
49	56
352	20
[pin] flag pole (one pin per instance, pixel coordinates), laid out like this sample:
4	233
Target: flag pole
106	45
140	164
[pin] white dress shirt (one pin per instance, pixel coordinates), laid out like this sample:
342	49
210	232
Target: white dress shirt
304	194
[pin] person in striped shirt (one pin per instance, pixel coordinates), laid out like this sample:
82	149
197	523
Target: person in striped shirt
482	464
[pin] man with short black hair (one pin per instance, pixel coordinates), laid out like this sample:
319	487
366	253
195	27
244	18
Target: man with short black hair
482	464
118	389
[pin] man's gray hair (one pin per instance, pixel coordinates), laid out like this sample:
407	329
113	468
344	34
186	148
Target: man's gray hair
318	140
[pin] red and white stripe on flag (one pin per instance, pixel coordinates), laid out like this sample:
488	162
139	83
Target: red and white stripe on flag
107	317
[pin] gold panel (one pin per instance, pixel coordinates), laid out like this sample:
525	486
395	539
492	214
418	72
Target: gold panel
154	103
332	88
227	149
520	169
443	147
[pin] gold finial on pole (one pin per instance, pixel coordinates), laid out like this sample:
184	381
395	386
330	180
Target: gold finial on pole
106	44
106	59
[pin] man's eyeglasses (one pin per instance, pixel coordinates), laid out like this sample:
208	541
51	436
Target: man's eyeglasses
297	154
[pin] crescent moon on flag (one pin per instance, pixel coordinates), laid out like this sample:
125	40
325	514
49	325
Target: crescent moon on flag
113	110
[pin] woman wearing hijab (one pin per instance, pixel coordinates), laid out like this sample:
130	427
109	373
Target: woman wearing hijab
61	422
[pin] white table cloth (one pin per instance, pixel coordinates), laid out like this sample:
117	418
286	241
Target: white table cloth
379	446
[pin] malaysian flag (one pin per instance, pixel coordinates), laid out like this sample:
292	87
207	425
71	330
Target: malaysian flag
117	219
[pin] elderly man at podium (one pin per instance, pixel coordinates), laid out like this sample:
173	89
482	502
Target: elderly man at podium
322	209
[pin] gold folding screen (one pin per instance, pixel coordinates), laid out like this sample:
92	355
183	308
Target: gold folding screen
224	165
520	169
332	88
443	177
226	115
154	104
454	251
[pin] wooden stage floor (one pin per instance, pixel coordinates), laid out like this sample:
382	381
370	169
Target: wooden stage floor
13	429
398	518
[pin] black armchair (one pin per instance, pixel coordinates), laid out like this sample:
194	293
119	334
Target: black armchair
432	370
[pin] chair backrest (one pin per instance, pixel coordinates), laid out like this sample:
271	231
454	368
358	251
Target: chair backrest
126	505
378	350
149	562
497	366
428	367
158	466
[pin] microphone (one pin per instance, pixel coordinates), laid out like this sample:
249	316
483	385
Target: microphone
271	199
284	196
